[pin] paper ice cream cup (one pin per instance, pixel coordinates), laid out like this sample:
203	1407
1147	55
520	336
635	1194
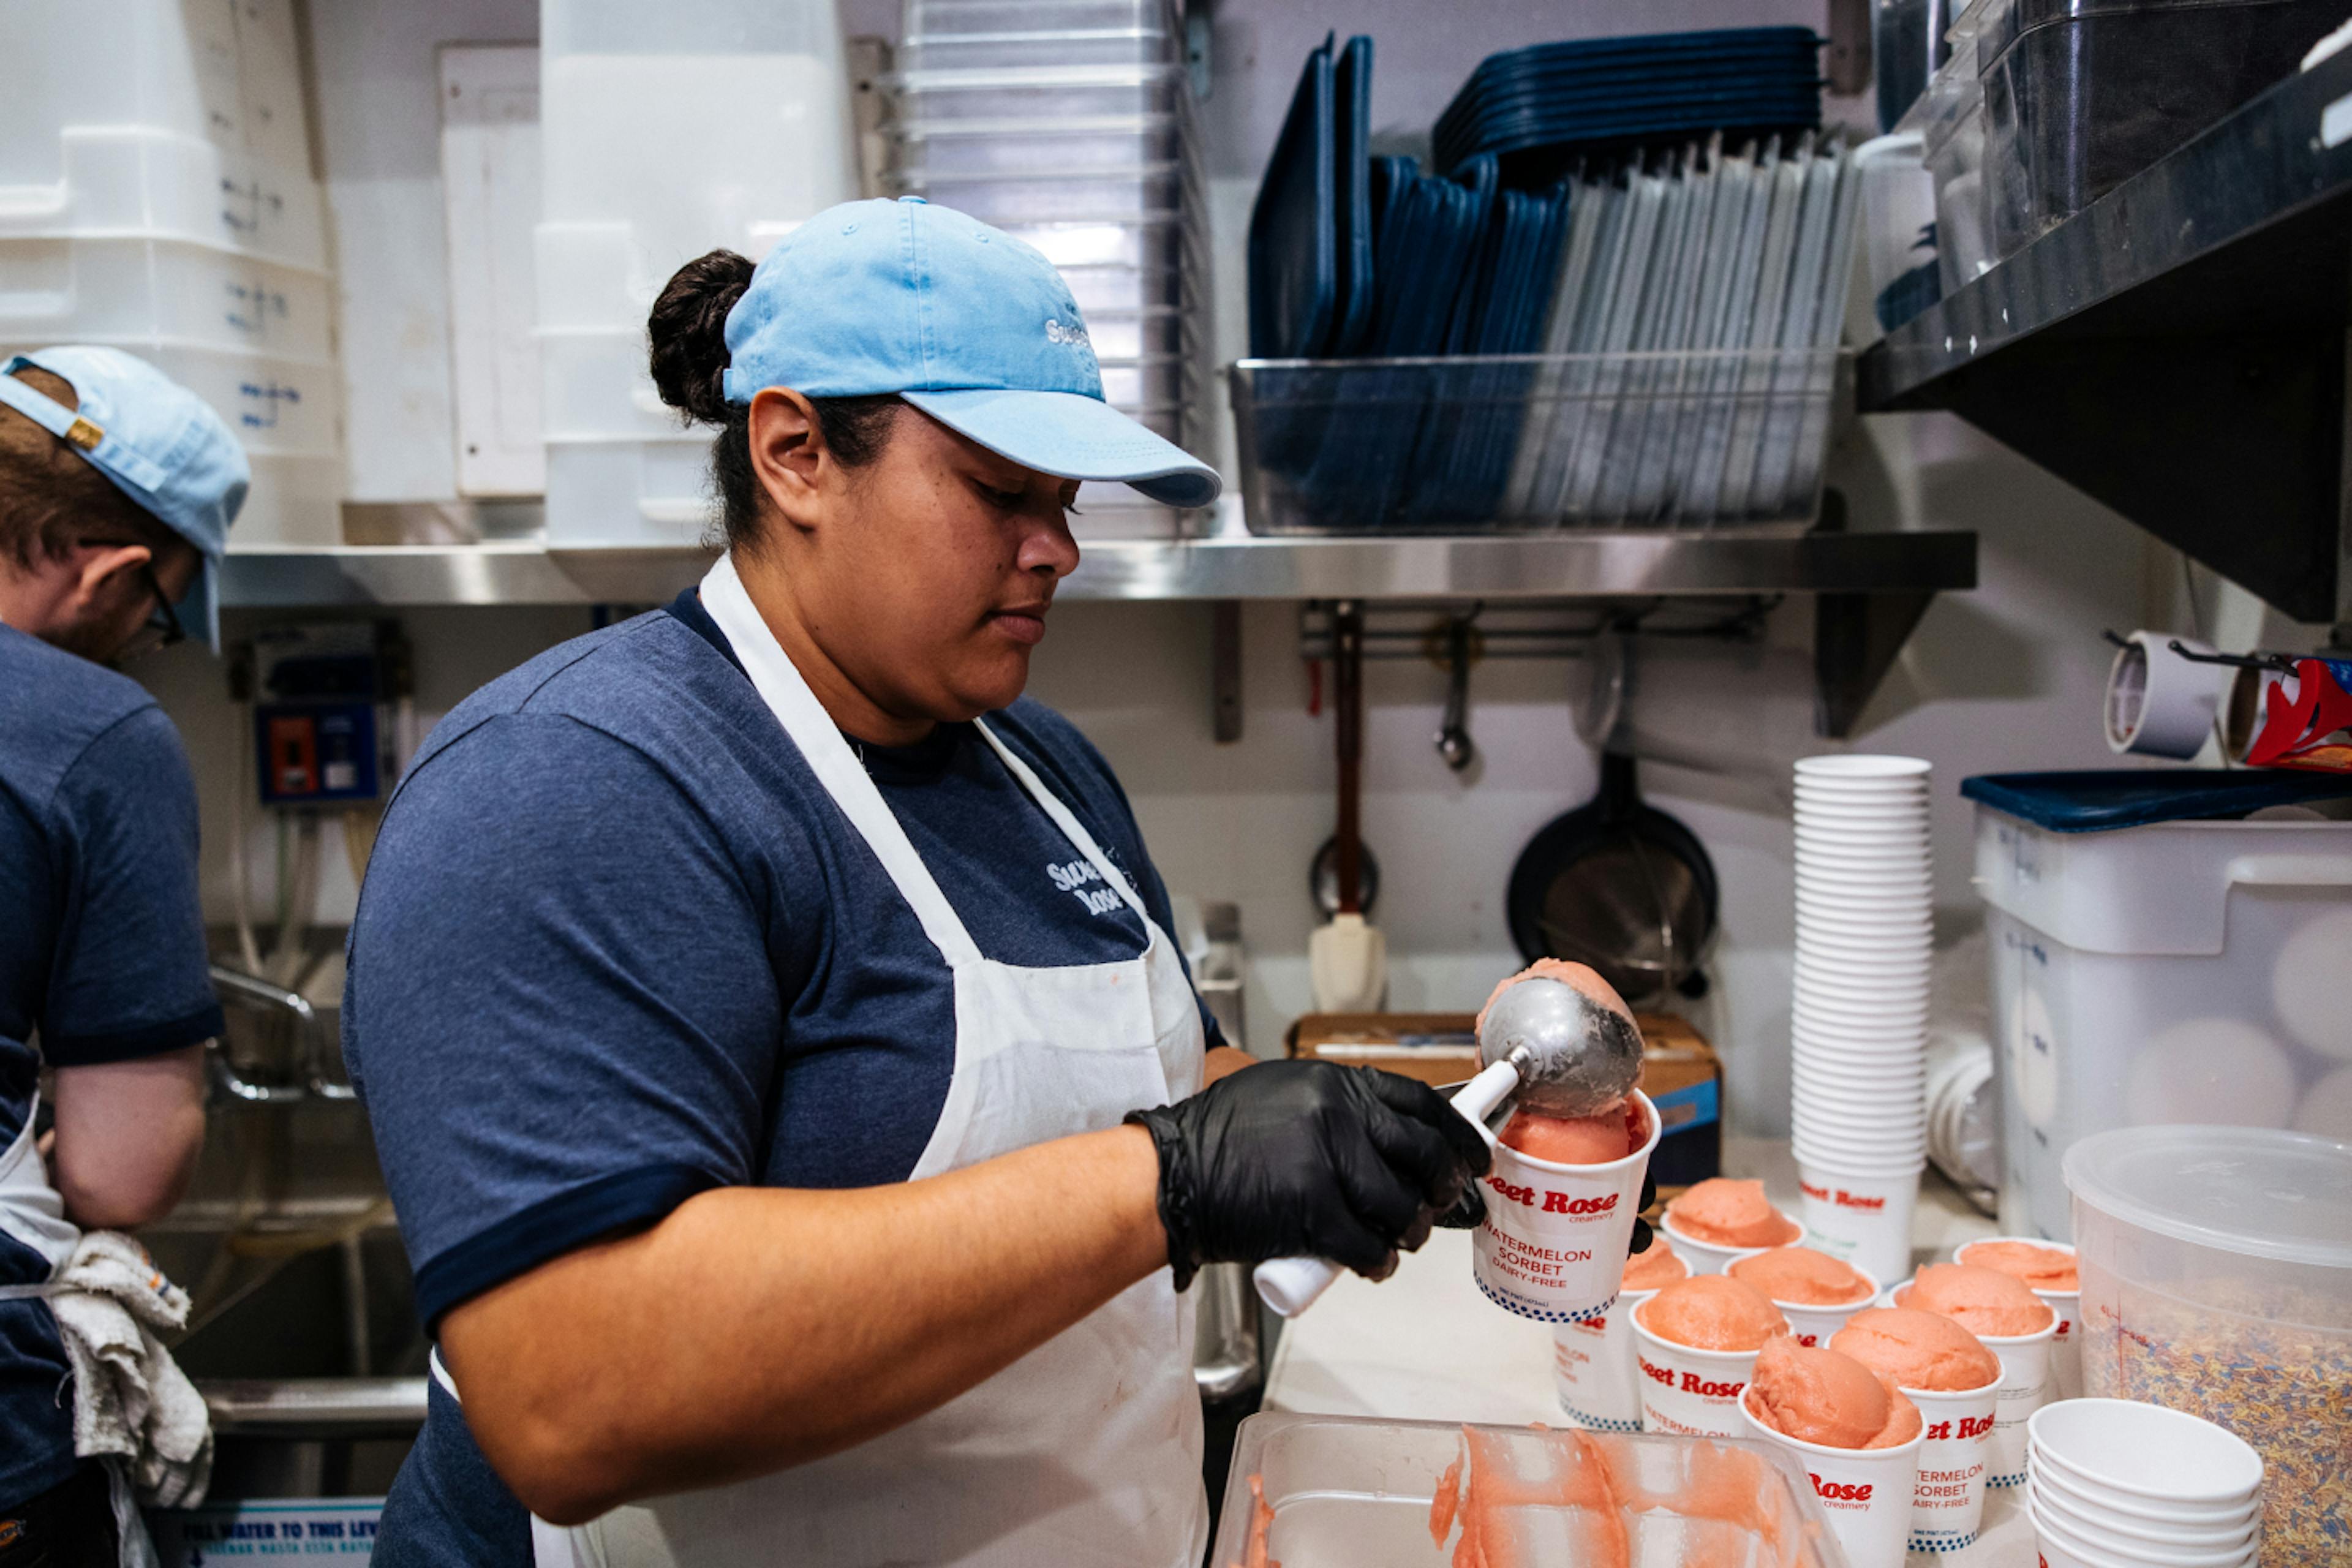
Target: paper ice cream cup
1593	1368
1552	1246
1689	1392
1813	1324
1865	1492
2044	1497
1713	1258
2024	1389
2066	1349
2063	1546
1860	1219
1954	1450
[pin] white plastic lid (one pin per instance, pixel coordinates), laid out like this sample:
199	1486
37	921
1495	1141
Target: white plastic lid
2247	1190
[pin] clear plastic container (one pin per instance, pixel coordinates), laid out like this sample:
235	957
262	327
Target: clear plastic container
641	492
963	149
1037	92
295	499
2217	1279
66	291
2156	975
1117	194
225	72
1900	274
1955	163
134	182
1349	1490
2082	94
931	19
1038	46
1529	443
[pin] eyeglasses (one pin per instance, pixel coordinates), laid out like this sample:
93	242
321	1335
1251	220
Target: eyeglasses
161	628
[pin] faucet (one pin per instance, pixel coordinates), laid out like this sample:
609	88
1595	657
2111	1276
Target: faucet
237	985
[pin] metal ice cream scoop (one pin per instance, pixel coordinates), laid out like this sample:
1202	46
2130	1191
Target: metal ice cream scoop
1562	1053
1570	1055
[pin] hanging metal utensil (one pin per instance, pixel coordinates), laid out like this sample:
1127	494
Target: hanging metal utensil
1347	960
1453	742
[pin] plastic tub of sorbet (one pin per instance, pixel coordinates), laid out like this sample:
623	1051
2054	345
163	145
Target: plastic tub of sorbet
1308	1489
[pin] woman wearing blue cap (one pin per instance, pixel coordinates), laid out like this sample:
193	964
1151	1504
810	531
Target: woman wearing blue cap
793	1100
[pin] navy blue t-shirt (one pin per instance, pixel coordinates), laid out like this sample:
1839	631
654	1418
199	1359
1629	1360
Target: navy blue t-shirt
101	954
617	946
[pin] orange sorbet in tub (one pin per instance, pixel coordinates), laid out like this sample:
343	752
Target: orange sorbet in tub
1822	1396
1712	1312
1982	1300
1720	1218
1801	1275
2036	1267
1916	1349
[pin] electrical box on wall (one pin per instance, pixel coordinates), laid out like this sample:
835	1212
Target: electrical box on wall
315	720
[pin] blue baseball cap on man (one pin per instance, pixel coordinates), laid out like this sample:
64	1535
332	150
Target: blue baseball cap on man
964	321
156	442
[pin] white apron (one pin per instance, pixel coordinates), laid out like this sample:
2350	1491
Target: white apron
1087	1449
32	1212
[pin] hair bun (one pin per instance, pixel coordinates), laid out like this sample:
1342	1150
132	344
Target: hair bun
688	329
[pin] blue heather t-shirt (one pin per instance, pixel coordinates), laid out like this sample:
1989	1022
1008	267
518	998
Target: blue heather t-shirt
617	946
101	955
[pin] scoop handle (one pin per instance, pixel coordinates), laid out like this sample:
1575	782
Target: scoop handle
1289	1285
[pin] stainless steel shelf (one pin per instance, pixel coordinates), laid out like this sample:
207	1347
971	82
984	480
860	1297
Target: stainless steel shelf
2177	349
1548	566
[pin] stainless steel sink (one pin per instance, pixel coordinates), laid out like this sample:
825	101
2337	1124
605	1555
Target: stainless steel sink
303	1337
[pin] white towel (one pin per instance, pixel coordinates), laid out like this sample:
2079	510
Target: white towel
132	1401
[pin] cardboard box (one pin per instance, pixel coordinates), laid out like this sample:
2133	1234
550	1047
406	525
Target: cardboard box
1680	1072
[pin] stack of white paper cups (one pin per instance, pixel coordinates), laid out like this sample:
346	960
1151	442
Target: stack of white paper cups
2117	1484
1859	1020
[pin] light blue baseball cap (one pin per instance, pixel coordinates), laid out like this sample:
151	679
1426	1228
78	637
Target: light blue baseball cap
156	442
962	320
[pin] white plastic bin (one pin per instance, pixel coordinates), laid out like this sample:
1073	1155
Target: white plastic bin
223	71
130	181
2161	973
74	290
287	406
295	499
694	121
640	492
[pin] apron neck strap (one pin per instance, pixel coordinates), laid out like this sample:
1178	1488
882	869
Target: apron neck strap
1067	820
829	756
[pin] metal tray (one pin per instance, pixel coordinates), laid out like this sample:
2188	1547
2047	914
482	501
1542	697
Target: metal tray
1352	1490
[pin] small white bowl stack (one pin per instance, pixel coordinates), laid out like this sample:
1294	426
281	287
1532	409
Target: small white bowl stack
2113	1483
1858	1030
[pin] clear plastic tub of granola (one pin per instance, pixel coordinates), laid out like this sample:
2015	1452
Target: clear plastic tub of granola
2216	1266
1308	1489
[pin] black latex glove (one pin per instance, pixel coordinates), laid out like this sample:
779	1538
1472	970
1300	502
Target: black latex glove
1641	1237
1308	1159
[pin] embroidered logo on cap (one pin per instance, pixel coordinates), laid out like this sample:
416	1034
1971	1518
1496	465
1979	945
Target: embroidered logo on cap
1074	336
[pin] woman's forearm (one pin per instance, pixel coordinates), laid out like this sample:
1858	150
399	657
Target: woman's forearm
758	1328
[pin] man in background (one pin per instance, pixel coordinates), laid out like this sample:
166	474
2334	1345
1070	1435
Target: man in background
117	489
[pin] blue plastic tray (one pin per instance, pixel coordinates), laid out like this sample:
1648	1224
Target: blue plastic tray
1294	265
1352	104
2101	800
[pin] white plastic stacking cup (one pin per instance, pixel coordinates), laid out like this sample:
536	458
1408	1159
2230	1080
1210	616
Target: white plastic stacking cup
2127	1534
1865	1492
2066	1349
1552	1246
1949	1505
1713	1258
1593	1371
2024	1389
2195	1524
2063	1547
2181	1465
1688	1392
1863	1218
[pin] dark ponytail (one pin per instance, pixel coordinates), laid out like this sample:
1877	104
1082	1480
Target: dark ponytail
688	330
